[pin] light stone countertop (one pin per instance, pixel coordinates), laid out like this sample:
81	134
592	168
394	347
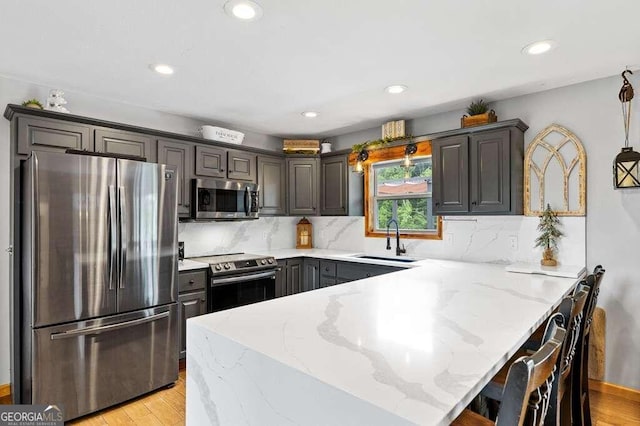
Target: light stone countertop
191	265
410	347
341	255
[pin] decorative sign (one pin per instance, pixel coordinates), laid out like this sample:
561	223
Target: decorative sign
221	134
555	166
393	129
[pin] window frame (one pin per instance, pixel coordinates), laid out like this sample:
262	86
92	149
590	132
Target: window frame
395	152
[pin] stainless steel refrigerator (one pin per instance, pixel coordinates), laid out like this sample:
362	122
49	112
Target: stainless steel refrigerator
99	289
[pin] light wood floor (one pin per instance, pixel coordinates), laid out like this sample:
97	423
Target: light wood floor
167	407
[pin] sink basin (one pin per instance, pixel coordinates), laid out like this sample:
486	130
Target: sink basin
388	259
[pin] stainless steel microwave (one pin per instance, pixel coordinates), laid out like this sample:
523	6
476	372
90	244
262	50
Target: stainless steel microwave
214	199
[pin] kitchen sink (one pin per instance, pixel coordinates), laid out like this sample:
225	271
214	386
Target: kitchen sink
388	259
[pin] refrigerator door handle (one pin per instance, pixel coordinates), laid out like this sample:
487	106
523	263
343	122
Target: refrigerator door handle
123	236
113	234
107	328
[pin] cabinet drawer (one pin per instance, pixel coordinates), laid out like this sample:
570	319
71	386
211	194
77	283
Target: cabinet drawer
192	280
327	269
327	281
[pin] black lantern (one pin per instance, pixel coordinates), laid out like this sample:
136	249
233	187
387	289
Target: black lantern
409	150
626	169
362	157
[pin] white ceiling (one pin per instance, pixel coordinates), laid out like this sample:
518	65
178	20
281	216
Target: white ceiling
330	56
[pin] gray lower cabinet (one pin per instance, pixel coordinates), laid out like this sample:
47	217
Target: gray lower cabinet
211	161
479	173
334	182
328	275
179	156
41	134
289	279
311	274
352	271
125	143
192	301
241	166
303	191
272	178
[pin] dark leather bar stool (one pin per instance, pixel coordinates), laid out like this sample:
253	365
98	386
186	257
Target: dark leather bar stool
580	377
528	386
570	313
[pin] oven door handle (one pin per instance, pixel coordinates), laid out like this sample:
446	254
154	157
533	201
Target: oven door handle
243	278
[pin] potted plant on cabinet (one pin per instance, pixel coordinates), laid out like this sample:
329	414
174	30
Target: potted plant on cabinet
32	103
479	113
549	236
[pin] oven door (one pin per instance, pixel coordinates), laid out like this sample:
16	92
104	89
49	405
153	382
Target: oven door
237	290
224	200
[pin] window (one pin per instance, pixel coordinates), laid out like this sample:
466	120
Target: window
403	194
391	191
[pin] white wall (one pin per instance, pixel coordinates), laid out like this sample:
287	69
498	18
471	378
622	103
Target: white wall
592	111
13	91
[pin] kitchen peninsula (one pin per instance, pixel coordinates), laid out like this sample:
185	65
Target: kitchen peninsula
410	347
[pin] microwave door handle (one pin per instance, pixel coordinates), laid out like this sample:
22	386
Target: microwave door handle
247	201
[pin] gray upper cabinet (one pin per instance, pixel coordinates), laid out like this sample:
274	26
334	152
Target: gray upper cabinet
479	173
179	156
303	186
272	178
41	134
334	186
126	143
211	161
241	165
490	180
451	175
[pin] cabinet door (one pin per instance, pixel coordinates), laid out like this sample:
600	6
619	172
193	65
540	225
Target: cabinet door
294	276
281	279
241	166
327	273
273	185
179	156
41	134
451	175
189	305
334	189
490	180
311	274
211	161
303	186
125	143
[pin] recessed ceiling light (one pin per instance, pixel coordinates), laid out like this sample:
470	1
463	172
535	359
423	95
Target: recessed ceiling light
245	10
539	47
162	69
310	114
395	89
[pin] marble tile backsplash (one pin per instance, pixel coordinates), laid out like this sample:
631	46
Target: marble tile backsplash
498	239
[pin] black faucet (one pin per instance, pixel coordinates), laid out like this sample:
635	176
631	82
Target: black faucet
399	251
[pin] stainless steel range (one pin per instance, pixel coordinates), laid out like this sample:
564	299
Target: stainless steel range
239	279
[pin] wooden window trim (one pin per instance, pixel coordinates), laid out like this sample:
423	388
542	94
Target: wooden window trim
386	154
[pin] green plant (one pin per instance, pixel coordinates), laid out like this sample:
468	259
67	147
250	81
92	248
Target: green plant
477	107
548	227
33	101
377	143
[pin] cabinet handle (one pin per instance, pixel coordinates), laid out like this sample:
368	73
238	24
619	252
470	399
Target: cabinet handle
187	205
473	203
368	275
191	282
437	203
222	170
203	300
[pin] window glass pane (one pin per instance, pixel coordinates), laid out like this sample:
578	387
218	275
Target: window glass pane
394	180
412	214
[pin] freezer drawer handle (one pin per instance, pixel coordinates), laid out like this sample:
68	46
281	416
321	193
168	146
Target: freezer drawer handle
107	328
243	278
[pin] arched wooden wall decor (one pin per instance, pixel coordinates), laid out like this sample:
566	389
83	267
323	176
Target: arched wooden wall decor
555	166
